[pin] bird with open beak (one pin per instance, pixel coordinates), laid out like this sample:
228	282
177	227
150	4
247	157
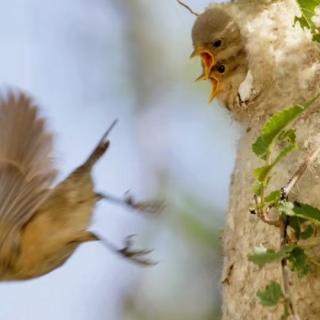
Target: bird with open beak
218	42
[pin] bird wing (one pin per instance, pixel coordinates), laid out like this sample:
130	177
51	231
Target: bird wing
26	167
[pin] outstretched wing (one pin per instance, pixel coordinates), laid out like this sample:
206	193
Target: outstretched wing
26	168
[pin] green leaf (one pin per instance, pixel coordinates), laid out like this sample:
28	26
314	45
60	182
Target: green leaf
257	187
295	224
273	128
262	255
316	36
261	173
289	135
299	261
284	152
304	211
308	8
271	295
273	196
307	233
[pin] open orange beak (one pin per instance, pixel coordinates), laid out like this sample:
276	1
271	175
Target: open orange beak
216	88
208	62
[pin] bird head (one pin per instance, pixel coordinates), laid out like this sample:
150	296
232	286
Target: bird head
218	42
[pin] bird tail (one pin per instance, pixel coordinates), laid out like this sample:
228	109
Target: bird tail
100	148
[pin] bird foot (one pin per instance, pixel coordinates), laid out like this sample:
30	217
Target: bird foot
137	256
153	207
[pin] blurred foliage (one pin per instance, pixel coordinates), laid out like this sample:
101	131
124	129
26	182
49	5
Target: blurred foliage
308	13
185	283
195	219
193	258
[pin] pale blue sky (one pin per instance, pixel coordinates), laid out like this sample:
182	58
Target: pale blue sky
71	56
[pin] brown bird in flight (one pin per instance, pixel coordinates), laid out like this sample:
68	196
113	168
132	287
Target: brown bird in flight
41	226
218	42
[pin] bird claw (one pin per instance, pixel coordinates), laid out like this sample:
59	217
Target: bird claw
137	256
154	207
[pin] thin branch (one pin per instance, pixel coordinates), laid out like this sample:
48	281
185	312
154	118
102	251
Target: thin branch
285	274
299	173
284	225
275	223
283	222
262	214
188	8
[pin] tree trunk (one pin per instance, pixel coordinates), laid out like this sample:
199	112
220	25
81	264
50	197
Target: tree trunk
285	64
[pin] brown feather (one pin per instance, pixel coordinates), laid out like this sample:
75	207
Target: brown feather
26	168
208	25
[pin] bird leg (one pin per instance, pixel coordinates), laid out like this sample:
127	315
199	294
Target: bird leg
137	256
128	201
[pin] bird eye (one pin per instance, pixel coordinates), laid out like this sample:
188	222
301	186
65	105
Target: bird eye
217	43
221	68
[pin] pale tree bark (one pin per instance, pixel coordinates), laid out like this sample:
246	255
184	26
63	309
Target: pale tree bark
285	64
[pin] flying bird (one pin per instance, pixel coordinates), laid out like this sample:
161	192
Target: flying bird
40	225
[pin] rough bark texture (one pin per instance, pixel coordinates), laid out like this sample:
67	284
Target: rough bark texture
285	66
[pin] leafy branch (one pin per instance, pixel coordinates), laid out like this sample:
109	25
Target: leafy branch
308	12
276	141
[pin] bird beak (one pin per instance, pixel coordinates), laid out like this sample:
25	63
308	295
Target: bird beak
216	89
208	62
202	75
207	59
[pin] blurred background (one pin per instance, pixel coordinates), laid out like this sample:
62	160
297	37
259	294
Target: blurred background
86	63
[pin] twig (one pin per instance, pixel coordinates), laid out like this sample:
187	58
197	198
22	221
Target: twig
284	225
262	214
299	173
188	8
285	275
275	223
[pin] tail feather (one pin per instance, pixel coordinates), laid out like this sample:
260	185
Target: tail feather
100	148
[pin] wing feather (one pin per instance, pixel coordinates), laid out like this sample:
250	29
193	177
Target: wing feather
26	168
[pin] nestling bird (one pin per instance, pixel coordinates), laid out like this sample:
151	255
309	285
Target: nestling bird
218	42
285	66
41	226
